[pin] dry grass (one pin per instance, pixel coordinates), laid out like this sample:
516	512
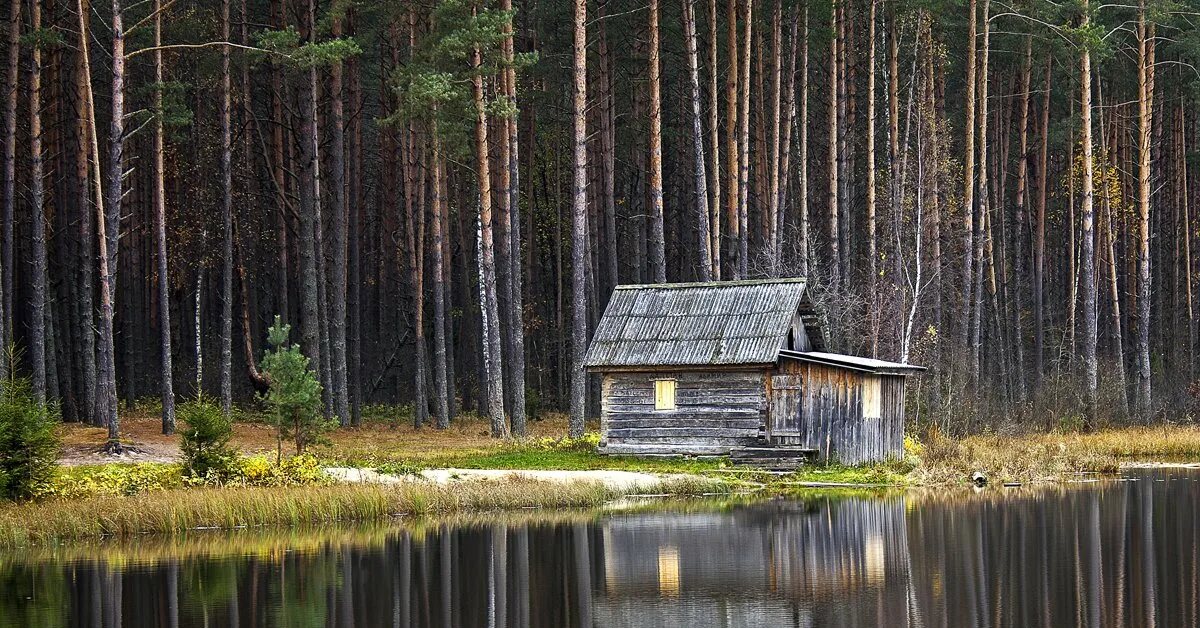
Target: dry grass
467	435
1053	456
176	511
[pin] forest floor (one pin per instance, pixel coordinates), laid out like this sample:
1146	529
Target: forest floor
142	433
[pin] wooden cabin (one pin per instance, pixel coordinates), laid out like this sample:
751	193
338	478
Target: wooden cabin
728	367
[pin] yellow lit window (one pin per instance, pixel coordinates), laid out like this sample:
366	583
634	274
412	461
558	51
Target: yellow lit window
664	394
872	397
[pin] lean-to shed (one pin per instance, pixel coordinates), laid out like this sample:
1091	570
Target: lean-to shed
713	368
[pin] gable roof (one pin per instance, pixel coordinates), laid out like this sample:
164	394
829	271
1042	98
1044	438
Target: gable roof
701	324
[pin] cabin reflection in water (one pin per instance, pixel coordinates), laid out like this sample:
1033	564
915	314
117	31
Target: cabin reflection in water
774	564
1118	554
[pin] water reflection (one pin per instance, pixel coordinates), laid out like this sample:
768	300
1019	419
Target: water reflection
1111	554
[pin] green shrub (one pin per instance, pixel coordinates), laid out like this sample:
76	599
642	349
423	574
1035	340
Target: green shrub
205	440
294	396
29	442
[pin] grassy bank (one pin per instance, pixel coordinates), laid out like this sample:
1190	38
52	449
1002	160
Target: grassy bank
1040	456
98	500
175	511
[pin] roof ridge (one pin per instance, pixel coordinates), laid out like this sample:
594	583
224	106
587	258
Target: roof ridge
711	284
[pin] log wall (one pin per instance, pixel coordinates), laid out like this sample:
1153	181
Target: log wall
799	404
715	411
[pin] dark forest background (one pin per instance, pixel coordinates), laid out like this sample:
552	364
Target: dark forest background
1000	191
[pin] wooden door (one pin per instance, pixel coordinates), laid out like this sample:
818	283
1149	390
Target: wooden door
787	418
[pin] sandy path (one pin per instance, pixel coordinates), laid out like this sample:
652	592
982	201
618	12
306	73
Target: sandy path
616	480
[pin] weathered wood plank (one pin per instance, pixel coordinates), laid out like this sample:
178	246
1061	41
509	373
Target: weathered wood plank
681	432
650	449
704	422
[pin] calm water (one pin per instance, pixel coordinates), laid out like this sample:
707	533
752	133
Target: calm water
1121	553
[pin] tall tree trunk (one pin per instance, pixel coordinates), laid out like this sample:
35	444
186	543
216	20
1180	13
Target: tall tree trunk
441	392
608	148
578	391
1145	34
1088	252
355	207
338	269
658	256
160	233
108	225
1109	166
893	95
512	181
279	168
414	216
310	216
491	308
85	259
226	219
834	238
783	201
777	117
1021	216
714	130
10	177
968	202
1039	236
743	256
733	158
802	162
37	218
983	217
1185	235
414	184
448	279
701	175
843	86
872	246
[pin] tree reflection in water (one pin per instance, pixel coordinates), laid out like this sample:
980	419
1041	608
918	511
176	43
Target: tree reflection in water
1106	554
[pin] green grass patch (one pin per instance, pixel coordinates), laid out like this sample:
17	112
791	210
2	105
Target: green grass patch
889	473
581	455
519	457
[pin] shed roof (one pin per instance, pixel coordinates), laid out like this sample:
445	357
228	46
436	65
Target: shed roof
701	324
853	362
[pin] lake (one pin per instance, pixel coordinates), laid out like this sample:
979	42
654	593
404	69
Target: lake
1110	553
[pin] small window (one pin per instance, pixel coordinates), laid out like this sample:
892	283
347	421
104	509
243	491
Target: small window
872	397
664	394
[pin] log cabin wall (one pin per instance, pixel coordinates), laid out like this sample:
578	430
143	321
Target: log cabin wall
715	411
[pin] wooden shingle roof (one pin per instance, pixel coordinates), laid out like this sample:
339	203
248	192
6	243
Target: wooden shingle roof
700	324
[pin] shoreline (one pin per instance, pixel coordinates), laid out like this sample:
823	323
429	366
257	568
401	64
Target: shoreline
380	471
176	511
362	496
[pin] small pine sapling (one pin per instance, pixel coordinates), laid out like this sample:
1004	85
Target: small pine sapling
29	441
205	440
294	396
